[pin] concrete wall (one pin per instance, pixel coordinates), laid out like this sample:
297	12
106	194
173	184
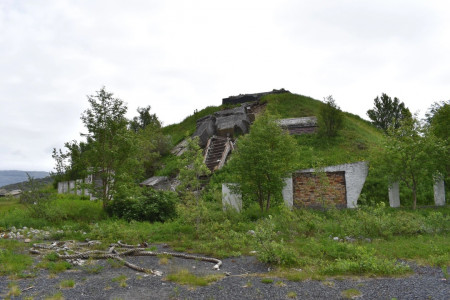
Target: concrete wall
73	187
355	176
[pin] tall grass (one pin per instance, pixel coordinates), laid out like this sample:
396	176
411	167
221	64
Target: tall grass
367	240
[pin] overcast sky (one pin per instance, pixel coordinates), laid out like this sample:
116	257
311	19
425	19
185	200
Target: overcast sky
178	56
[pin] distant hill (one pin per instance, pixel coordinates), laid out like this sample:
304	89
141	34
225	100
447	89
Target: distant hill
13	176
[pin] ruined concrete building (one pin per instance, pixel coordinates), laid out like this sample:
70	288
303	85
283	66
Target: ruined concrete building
299	126
244	98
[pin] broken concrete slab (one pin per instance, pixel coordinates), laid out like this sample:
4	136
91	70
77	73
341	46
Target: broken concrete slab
228	122
299	126
179	149
233	121
161	183
206	128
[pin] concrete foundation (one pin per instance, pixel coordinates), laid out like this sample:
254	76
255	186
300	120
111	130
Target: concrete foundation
439	192
230	199
394	195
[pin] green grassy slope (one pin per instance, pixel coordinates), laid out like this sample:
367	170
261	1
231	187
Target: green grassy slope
187	127
352	144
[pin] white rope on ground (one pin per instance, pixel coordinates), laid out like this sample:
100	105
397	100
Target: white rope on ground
112	253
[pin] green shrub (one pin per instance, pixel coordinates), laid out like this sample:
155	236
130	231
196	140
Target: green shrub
364	262
11	261
222	239
268	249
331	118
436	222
152	206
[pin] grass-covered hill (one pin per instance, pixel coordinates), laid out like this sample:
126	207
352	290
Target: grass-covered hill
352	144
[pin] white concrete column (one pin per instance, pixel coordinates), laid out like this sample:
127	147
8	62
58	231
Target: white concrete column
61	187
72	187
439	192
394	195
65	187
78	184
288	192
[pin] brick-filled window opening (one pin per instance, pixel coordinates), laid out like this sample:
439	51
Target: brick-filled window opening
317	189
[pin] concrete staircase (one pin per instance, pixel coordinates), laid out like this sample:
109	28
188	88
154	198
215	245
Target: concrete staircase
217	150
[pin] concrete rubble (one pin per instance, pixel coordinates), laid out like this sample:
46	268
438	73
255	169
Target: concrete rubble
229	122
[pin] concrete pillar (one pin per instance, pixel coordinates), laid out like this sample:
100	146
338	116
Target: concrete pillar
88	182
230	199
60	187
394	195
78	184
288	192
355	177
439	192
72	187
65	187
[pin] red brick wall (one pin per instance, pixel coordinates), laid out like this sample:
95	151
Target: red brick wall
310	192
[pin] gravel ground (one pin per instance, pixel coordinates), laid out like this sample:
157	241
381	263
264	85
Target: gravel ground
243	283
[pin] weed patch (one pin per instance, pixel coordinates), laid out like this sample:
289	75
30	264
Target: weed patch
92	267
67	284
267	280
351	294
184	277
54	267
14	290
121	280
11	261
57	296
365	262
